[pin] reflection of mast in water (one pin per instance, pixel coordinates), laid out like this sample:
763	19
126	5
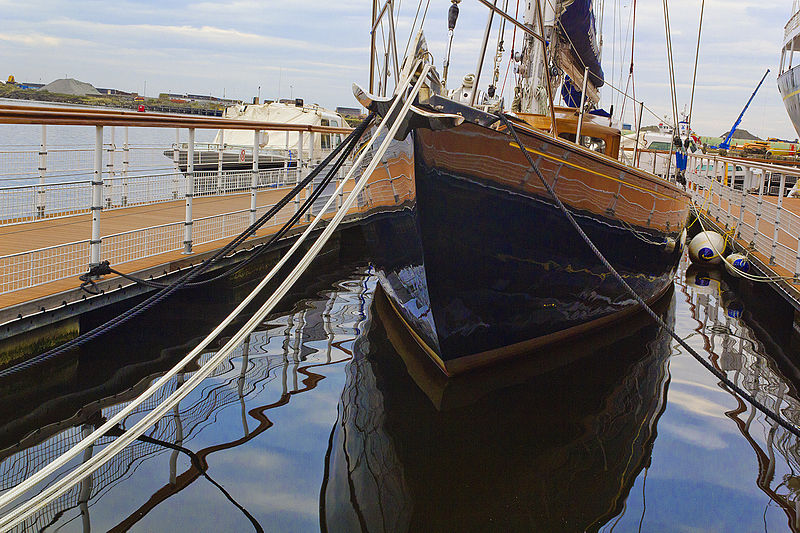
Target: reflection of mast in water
281	342
514	458
718	313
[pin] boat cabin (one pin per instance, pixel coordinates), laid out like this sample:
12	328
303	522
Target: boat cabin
596	134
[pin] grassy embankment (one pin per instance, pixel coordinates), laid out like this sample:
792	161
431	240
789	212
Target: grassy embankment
125	102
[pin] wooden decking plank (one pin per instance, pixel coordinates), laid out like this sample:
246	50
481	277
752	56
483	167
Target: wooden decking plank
52	232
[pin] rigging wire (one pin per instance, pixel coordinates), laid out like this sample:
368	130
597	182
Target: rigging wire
671	66
167	291
47	494
696	56
776	417
631	80
319	188
606	82
513	44
413	24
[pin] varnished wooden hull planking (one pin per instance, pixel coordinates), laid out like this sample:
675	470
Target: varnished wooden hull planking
479	262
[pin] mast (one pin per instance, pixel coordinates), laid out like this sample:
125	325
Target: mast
534	61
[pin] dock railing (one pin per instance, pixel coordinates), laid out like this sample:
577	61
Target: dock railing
44	182
749	201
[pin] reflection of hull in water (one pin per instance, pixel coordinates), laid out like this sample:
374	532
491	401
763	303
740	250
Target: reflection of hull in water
559	452
482	265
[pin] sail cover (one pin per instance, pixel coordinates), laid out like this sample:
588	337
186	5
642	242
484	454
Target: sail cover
577	21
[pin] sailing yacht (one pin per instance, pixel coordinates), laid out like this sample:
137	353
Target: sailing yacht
471	249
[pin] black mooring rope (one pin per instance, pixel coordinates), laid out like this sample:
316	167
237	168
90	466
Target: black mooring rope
118	432
194	272
720	375
313	197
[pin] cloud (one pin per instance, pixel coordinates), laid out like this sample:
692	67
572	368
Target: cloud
31	39
320	48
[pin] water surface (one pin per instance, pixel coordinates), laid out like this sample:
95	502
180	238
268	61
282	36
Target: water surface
318	423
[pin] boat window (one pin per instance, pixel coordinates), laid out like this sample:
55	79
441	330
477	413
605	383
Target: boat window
596	144
658	145
325	138
567	136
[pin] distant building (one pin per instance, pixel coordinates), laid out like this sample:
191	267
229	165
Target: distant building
23	84
198	98
352	112
29	85
115	92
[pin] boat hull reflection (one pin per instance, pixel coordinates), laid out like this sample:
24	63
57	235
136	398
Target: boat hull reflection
557	451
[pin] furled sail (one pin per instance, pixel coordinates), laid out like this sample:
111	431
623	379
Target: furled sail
577	29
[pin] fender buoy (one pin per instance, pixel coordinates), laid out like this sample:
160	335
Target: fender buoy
706	247
736	264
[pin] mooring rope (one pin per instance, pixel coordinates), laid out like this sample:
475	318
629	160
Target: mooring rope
319	189
198	464
717	373
166	291
47	494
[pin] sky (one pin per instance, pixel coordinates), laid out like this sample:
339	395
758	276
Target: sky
316	49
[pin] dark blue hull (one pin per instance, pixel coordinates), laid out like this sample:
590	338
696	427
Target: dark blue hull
478	268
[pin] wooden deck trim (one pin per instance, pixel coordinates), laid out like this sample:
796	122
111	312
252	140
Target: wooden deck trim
41	234
101	117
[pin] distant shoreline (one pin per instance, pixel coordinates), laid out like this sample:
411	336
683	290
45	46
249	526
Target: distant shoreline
10	92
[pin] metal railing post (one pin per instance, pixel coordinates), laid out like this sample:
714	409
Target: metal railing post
340	199
748	177
220	157
299	172
125	164
781	190
796	278
287	157
109	183
638	129
41	194
730	190
310	186
254	177
176	158
188	221
97	198
759	207
719	194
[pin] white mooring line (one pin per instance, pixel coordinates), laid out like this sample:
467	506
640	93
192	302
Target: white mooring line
22	511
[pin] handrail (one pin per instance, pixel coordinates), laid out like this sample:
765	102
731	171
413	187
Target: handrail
101	117
17	514
746	162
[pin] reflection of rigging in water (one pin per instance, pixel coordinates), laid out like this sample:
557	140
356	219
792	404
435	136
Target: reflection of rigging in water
513	458
286	348
717	312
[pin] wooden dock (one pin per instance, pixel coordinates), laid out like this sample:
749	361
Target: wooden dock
763	227
47	242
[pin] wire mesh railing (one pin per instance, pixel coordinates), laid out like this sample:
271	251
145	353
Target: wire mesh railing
28	203
749	200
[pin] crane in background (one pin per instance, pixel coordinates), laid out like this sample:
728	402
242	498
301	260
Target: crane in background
726	143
